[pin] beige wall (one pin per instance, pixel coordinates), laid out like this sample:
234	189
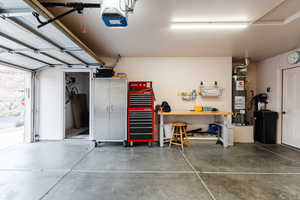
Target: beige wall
169	76
269	74
173	75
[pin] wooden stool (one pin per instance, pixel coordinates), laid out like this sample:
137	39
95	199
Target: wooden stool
179	135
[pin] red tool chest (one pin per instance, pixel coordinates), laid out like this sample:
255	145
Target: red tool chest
140	112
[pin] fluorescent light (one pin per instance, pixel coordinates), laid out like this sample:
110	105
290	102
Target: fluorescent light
208	25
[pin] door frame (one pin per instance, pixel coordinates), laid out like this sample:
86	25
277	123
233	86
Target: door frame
63	100
282	102
29	115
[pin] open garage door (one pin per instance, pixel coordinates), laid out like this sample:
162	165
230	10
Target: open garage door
23	45
36	50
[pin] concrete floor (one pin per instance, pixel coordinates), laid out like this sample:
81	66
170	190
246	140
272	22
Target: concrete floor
11	136
74	170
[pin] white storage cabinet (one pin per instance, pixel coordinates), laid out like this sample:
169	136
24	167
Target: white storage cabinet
110	110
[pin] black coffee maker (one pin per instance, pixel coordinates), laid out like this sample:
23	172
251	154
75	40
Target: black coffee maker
260	102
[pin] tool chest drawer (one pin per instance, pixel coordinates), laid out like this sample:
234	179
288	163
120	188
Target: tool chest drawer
140	100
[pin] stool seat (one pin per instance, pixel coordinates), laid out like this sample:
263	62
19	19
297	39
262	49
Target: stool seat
179	124
179	135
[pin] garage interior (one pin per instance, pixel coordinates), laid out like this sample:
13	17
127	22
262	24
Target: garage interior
138	99
77	90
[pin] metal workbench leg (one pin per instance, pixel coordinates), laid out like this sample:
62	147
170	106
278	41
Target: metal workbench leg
225	132
161	131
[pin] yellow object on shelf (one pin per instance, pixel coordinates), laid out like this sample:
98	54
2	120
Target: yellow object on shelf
198	108
120	75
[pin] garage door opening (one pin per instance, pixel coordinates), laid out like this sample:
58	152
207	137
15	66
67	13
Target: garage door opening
12	106
77	96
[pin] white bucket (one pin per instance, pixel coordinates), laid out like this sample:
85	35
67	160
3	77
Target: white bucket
167	130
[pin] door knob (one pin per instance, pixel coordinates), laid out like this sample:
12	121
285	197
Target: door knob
283	112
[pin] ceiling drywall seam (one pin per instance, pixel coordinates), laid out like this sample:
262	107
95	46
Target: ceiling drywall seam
288	20
42	10
292	18
277	6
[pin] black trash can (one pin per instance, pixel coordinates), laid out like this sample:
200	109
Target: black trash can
265	129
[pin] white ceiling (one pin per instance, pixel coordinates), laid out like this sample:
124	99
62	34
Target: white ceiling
149	33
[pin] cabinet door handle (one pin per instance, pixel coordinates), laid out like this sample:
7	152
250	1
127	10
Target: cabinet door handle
111	108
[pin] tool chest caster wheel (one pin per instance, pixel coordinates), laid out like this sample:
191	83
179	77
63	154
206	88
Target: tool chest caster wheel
125	143
97	144
149	144
131	144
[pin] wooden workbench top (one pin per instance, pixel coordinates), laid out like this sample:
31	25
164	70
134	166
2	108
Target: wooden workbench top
195	113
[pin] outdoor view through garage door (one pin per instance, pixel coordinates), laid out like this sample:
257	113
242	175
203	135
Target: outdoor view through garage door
12	106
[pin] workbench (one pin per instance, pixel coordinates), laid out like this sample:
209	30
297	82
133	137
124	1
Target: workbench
226	124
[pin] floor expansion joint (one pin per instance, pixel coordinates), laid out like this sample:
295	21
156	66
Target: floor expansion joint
66	174
199	177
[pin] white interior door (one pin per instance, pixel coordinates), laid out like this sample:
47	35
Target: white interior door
291	107
118	110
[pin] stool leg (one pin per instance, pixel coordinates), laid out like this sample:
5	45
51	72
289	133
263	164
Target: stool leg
181	138
176	139
171	139
186	140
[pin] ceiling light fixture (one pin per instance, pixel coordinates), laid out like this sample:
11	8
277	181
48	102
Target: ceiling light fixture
208	25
